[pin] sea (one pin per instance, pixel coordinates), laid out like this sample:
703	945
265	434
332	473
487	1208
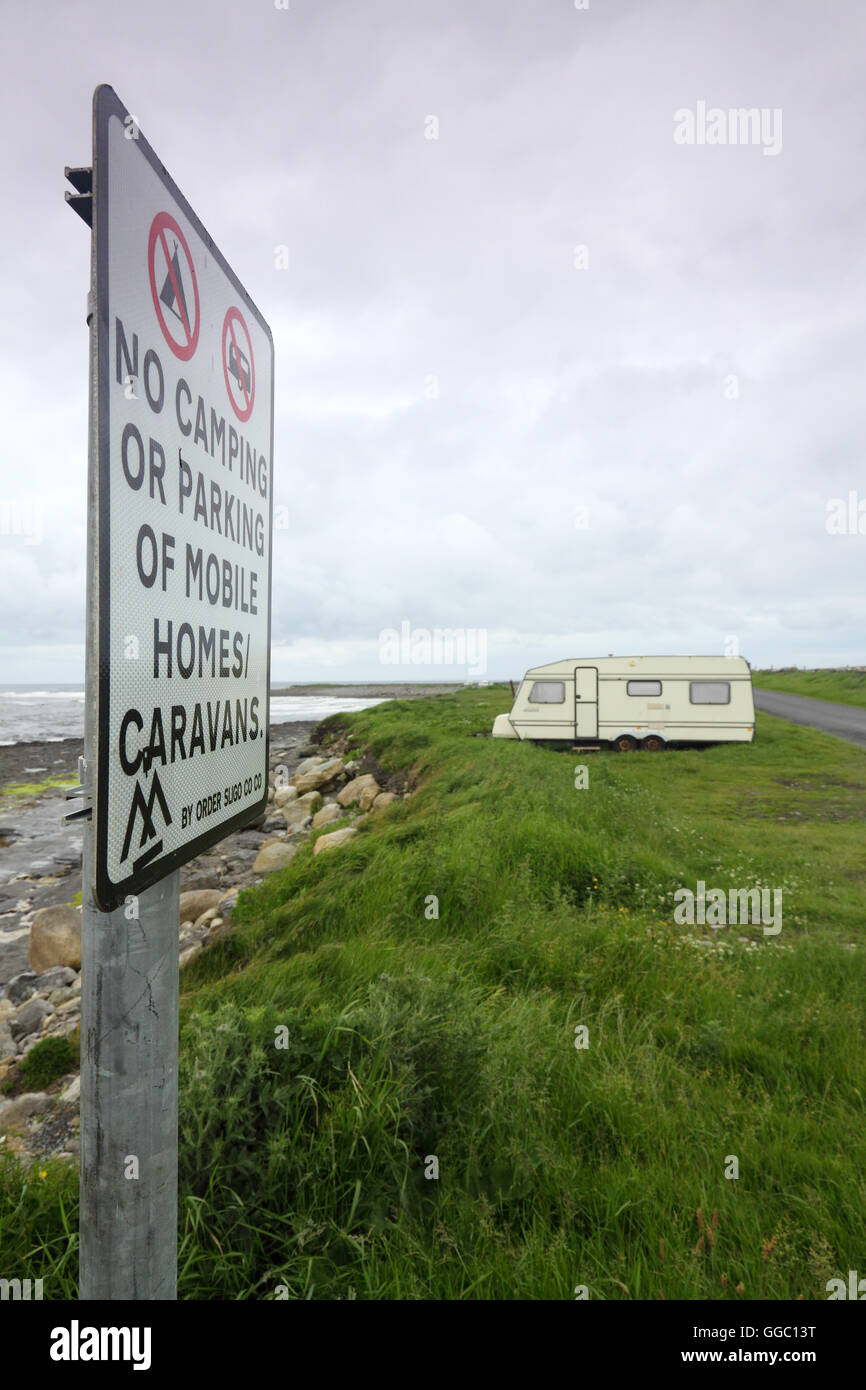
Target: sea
48	713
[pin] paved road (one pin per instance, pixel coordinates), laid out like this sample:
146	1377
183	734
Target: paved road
843	721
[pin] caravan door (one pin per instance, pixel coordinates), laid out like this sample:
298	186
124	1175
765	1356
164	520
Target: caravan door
586	702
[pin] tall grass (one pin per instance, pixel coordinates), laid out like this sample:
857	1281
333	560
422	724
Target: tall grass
427	980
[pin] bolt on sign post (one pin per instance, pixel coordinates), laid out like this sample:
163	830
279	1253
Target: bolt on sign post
180	507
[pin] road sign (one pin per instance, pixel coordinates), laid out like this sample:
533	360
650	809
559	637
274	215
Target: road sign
184	473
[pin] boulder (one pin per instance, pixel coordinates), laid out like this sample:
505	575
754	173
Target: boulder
206	917
69	1006
275	855
368	795
334	840
13	1112
384	799
228	902
327	814
311	800
191	879
60	996
55	938
20	987
295	815
71	1092
283	795
189	954
363	789
197	901
7	1042
316	761
58	977
29	1018
318	776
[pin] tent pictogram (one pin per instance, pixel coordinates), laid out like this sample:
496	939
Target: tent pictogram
238	365
173	285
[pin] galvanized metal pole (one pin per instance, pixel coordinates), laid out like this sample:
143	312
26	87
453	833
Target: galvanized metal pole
129	1023
129	1013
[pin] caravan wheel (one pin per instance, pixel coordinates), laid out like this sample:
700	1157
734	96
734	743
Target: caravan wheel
653	744
625	743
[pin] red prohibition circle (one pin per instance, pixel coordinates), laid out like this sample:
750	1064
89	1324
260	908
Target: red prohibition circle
239	364
184	345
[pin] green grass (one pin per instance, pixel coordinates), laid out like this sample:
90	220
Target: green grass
843	687
410	1035
34	788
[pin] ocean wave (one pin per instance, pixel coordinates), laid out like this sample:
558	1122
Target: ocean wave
42	694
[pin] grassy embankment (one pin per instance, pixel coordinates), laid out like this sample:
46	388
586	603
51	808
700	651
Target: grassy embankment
411	1035
843	687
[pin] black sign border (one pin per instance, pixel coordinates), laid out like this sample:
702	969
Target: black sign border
108	893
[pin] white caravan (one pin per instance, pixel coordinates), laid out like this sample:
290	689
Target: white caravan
632	700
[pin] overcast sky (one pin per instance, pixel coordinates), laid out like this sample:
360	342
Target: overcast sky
629	448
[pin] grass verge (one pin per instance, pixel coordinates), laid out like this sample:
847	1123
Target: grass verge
409	1004
841	687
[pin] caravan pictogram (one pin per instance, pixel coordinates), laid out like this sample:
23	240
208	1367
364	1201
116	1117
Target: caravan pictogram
238	365
173	285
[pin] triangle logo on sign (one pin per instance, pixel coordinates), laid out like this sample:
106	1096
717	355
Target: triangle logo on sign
173	288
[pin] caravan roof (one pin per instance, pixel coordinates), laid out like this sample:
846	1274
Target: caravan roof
658	665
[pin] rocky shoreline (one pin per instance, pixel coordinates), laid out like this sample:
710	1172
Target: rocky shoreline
40	916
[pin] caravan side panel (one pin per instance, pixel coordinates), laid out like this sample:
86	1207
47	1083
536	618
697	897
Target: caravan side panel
690	706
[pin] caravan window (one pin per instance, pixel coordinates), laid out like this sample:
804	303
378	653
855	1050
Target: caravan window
710	692
644	687
547	693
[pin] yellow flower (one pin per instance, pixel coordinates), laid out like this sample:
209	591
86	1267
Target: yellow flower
43	1175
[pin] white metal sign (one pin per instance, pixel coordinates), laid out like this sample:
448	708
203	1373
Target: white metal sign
184	373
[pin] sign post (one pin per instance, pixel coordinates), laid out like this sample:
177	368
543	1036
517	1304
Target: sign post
180	507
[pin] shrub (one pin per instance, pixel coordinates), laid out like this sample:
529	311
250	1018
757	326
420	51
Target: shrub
46	1061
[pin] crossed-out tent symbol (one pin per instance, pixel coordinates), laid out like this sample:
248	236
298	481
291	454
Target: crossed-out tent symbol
173	285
